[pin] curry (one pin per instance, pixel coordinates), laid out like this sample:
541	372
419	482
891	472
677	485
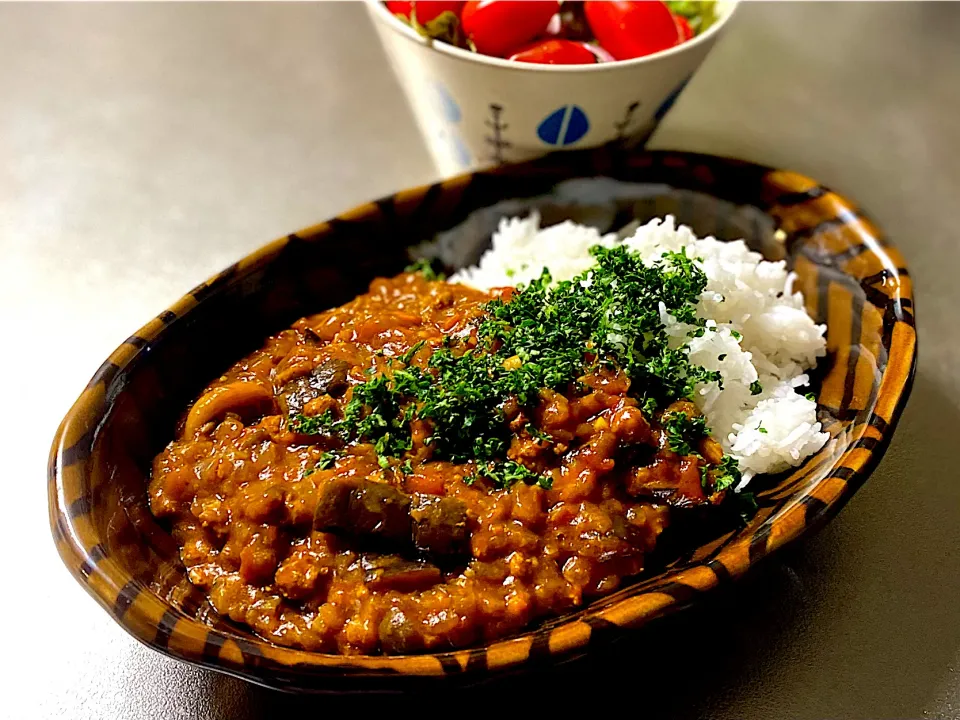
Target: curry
431	466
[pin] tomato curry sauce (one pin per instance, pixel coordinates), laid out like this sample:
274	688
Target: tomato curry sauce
320	542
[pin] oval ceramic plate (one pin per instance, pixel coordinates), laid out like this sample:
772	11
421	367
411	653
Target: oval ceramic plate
851	279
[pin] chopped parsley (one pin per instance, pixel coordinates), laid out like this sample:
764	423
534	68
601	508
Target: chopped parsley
425	266
756	388
726	475
683	431
327	460
547	336
811	397
505	474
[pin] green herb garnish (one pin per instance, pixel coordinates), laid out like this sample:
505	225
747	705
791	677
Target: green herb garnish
425	267
683	430
327	460
548	336
726	475
756	388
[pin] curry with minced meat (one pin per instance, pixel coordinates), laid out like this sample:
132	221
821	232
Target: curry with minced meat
415	471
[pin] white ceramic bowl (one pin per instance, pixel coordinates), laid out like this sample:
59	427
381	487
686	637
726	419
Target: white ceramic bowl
475	110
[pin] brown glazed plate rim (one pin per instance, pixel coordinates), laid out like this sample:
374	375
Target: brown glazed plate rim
151	620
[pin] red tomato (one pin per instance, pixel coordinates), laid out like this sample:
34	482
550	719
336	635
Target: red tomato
427	10
556	52
499	27
632	29
683	26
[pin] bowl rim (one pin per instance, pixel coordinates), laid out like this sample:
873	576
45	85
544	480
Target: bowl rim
148	618
379	13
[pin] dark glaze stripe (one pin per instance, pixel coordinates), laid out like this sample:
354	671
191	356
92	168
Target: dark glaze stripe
867	443
128	593
135	341
477	660
80	450
540	648
879	423
845	217
449	664
833	259
892	314
388	210
252	655
80	506
814	508
204	290
97	554
165	629
426	205
790	199
59	530
842	473
104	374
879	277
682	594
167	317
853	359
758	543
600	628
212	644
720	570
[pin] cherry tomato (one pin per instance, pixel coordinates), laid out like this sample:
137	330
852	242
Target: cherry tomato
683	27
500	27
556	52
632	29
427	10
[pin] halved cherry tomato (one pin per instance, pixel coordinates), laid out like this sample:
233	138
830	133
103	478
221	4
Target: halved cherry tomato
500	27
683	26
632	29
556	52
426	10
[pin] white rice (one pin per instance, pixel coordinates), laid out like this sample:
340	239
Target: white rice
768	432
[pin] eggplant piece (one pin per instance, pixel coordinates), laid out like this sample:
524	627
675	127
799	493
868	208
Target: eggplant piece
328	378
390	572
435	526
333	511
380	510
440	527
365	508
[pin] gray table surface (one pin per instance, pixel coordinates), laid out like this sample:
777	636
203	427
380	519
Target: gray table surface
145	147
